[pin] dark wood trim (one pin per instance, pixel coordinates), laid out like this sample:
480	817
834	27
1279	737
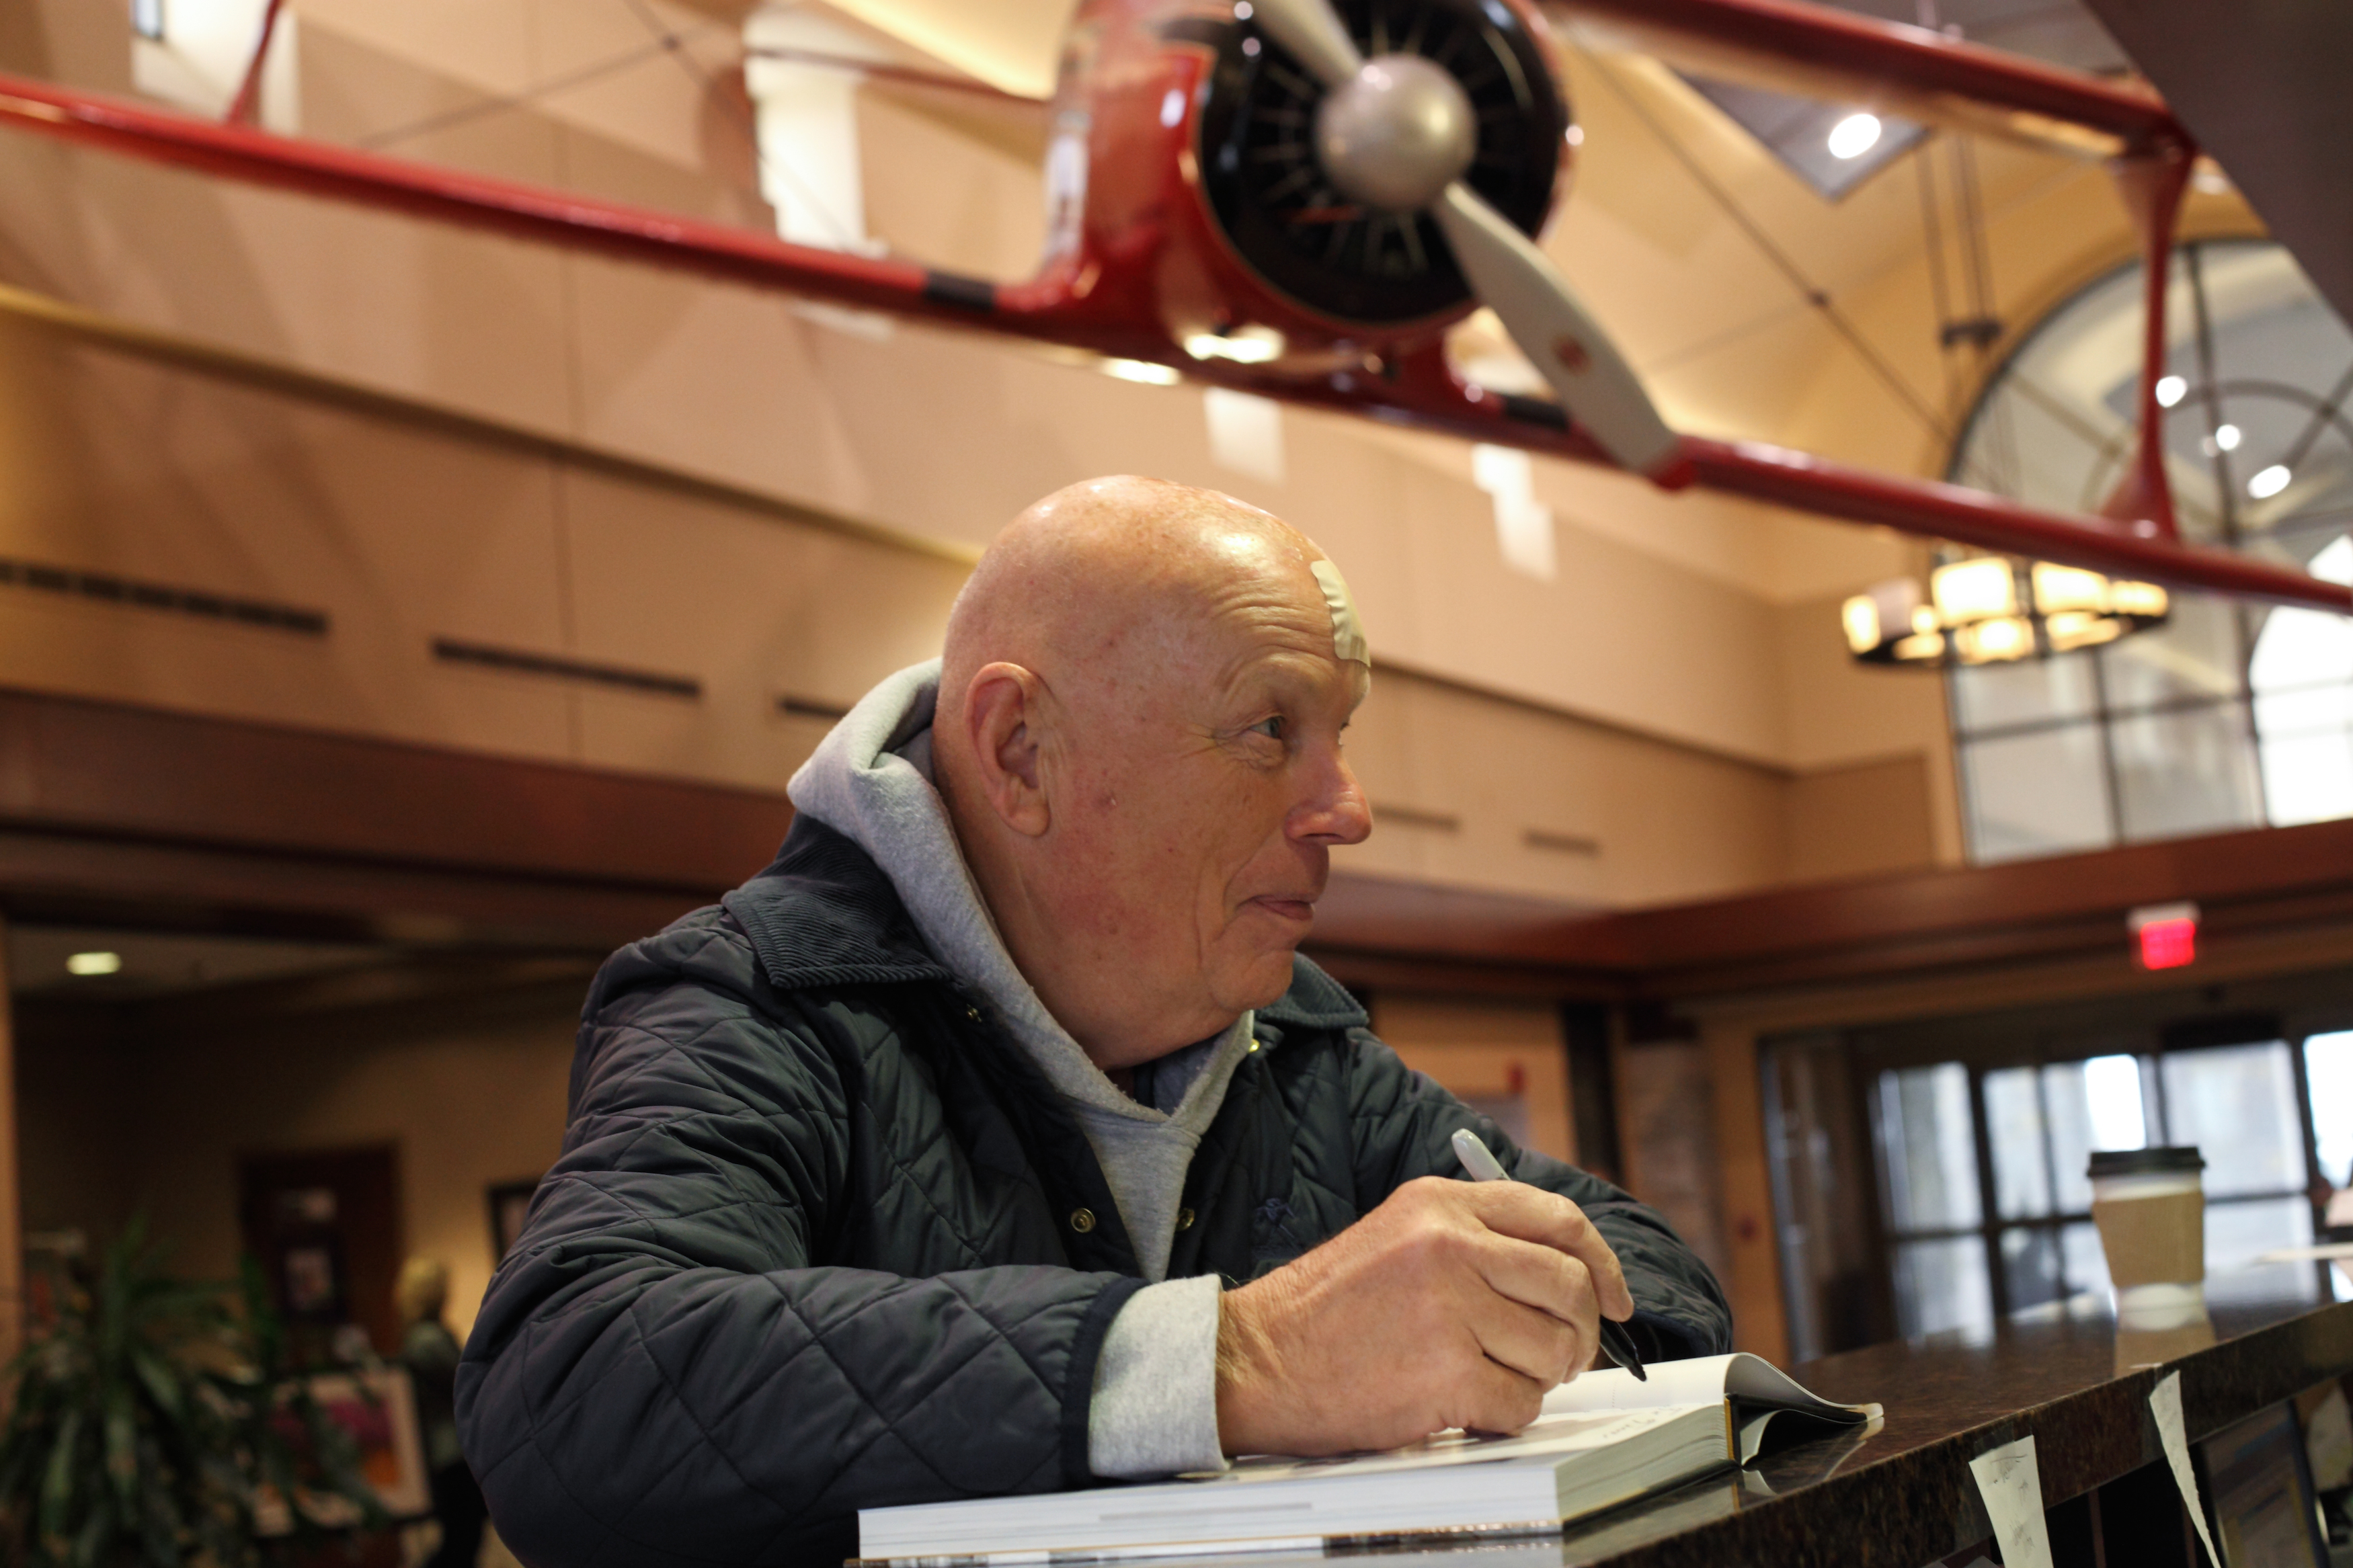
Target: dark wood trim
72	765
1458	925
2070	906
115	813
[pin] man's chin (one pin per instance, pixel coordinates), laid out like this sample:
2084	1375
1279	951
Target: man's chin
1262	982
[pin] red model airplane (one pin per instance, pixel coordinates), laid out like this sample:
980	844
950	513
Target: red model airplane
1297	197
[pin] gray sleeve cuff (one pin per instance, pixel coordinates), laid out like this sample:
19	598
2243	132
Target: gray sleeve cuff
1154	1408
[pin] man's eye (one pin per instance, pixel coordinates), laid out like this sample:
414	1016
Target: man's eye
1272	729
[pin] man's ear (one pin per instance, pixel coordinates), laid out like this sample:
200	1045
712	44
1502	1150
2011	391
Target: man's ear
1003	716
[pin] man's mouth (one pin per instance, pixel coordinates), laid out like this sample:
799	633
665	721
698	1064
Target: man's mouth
1299	910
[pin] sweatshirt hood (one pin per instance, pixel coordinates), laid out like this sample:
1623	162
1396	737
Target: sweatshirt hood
870	780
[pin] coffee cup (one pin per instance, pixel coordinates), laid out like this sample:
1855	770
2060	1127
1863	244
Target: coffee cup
2150	1207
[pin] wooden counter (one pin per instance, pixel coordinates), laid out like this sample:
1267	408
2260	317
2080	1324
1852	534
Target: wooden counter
1901	1495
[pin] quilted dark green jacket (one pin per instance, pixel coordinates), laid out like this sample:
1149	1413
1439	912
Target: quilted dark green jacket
810	1246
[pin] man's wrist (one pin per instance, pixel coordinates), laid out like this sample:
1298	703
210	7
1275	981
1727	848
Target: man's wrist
1246	1370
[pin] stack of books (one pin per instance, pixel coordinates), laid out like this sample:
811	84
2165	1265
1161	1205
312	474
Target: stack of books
1602	1440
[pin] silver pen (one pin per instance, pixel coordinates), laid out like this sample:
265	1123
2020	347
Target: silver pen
1479	1163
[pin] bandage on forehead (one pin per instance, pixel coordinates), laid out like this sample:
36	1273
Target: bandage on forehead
1347	631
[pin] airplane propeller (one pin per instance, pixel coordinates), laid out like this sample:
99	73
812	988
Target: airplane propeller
1397	132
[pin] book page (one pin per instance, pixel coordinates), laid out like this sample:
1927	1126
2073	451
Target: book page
1751	1380
1550	1435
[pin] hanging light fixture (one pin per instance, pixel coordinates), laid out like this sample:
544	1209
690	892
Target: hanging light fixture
1989	609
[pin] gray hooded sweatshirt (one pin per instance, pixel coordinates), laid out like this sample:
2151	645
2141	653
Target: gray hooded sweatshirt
1154	1409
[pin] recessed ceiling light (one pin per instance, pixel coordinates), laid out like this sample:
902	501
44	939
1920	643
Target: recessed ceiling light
94	963
2171	390
2269	483
2226	437
1856	135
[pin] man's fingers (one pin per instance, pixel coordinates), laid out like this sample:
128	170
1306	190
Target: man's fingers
1532	1214
1494	1399
1542	1278
1542	1348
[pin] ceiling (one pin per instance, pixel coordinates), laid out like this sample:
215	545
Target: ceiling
2064	32
156	964
2263	87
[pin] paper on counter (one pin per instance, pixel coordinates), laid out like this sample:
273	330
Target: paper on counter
2012	1489
2323	1252
2165	1403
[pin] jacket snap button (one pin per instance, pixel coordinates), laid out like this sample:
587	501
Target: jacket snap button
1082	1220
1183	1219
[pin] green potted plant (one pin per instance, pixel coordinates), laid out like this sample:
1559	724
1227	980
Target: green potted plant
155	1421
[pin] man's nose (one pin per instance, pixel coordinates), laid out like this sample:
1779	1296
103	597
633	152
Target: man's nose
1337	813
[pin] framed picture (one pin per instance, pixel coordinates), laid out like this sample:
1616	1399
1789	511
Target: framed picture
2260	1488
509	1203
378	1408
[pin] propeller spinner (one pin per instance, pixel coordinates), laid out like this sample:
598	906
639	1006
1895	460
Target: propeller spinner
1397	132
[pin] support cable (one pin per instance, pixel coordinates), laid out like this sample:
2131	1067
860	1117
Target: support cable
1787	265
499	104
672	42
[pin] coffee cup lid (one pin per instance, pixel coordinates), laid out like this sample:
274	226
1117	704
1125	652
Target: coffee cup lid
2146	1162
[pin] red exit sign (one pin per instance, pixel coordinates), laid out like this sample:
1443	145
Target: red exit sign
2165	936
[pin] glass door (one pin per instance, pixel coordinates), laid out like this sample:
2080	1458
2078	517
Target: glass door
1981	1168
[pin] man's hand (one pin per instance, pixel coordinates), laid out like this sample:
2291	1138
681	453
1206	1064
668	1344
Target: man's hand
1452	1304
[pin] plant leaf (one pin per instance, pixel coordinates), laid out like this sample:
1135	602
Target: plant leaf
58	1482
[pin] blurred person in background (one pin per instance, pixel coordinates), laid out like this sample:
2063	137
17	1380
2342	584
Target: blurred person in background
429	1352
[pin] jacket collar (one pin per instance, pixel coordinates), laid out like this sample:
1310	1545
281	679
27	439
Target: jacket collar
1315	1001
824	915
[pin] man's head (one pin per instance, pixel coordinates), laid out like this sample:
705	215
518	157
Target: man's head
422	1289
1138	739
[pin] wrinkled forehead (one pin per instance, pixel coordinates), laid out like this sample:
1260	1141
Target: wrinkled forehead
1270	613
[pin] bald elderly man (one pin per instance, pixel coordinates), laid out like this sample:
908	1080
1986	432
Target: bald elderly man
995	1140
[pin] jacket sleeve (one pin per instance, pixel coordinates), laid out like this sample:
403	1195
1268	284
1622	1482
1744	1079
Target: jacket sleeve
663	1372
1403	1128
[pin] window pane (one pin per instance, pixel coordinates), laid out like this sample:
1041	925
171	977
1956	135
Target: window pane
2308	778
2031	1269
1929	1147
2194	654
2304	709
2093	1104
2238	1234
2302	674
2299	647
2237	1103
1942	1285
2022	1170
1994	695
2087	1265
2328	1073
2036	795
2186	773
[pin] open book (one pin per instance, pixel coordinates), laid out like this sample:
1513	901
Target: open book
1602	1440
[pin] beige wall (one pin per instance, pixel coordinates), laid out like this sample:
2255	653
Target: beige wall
1489	1050
469	1100
1672	717
405	529
1660	621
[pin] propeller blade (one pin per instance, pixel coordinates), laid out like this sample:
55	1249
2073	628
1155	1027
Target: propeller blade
1313	34
1526	291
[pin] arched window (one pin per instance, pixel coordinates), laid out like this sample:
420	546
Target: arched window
2231	715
